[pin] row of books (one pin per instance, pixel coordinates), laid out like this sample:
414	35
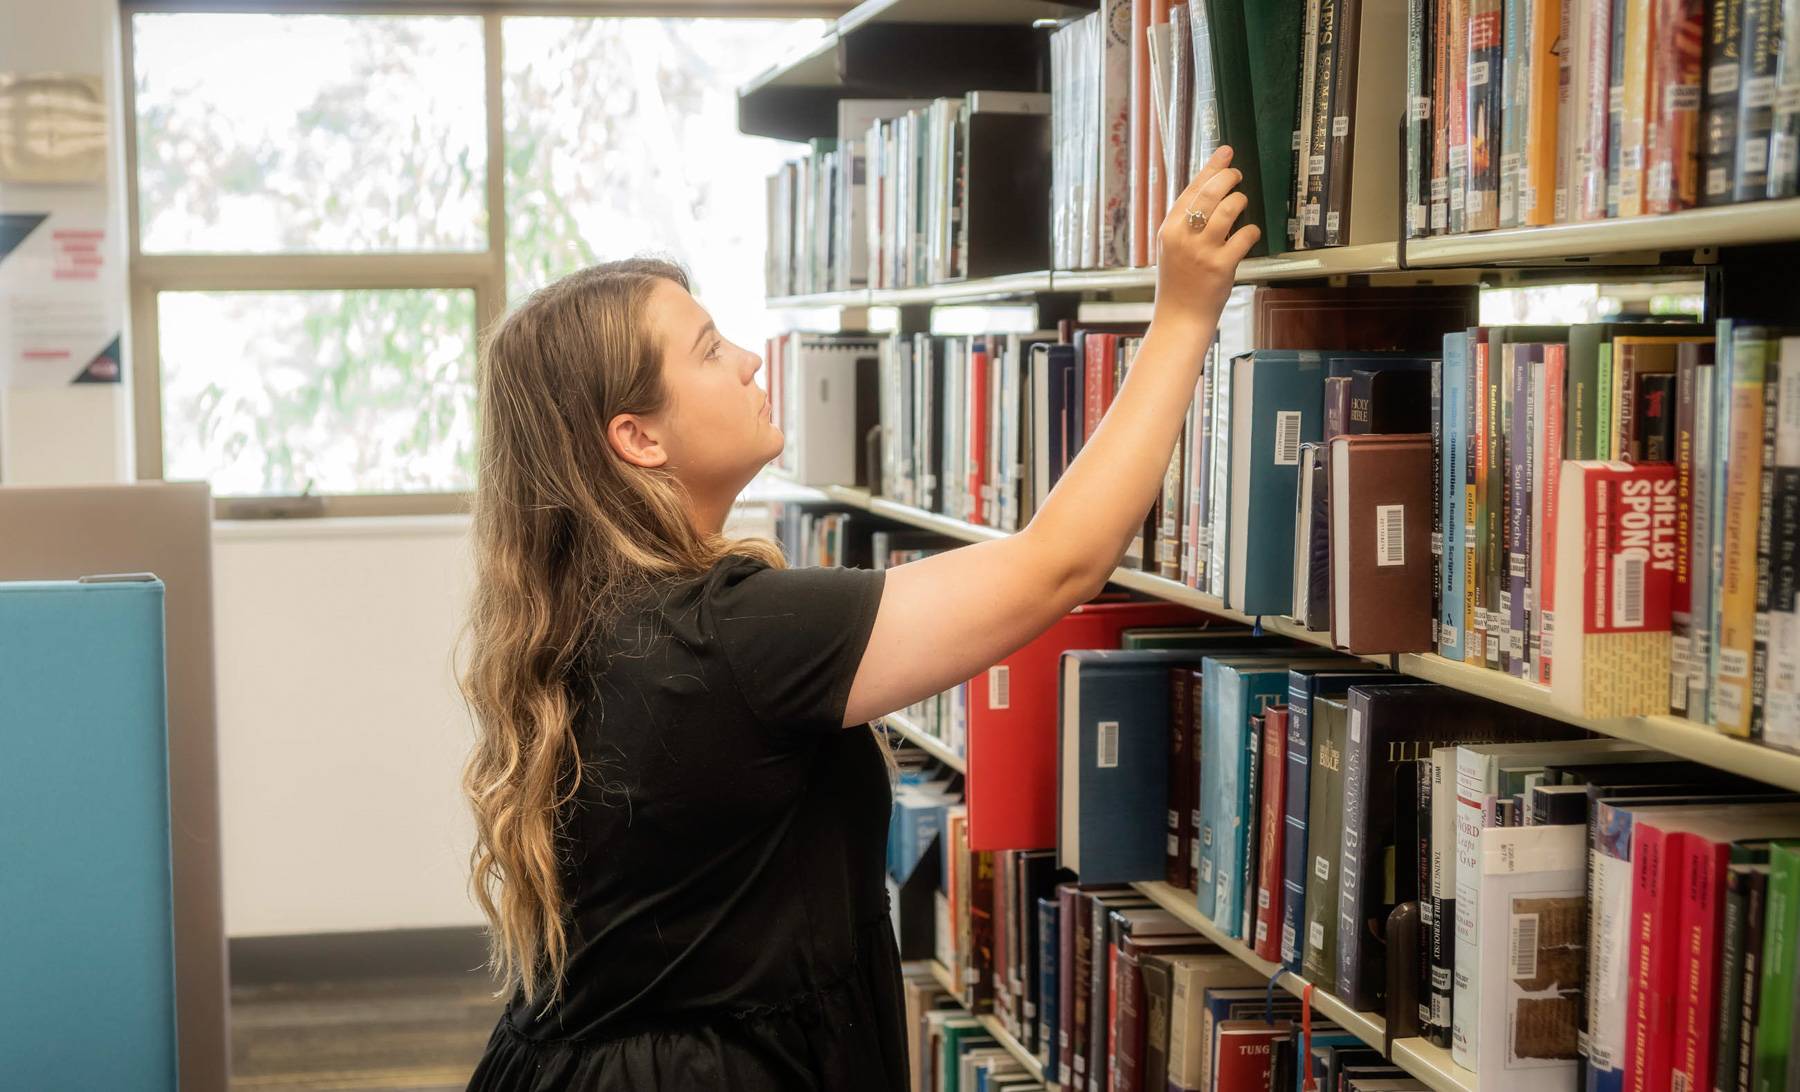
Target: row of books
1685	561
1345	813
1527	113
913	192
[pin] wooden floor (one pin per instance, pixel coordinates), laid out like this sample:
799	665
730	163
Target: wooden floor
418	1034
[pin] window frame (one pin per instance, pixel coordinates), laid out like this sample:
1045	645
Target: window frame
482	272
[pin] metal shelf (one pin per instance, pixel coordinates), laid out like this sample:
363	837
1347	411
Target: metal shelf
1597	240
1013	284
909	730
1006	1039
855	297
1416	1056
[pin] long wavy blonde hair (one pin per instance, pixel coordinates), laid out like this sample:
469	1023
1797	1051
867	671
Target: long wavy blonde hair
564	530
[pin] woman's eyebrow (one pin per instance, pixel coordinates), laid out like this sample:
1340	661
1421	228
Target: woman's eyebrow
709	328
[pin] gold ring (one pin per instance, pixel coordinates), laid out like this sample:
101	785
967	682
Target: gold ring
1196	219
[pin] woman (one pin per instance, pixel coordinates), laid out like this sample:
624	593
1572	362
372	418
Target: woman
681	811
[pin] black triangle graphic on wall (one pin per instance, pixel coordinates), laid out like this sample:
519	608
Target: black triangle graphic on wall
106	366
14	226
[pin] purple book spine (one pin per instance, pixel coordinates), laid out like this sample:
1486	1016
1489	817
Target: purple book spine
1518	516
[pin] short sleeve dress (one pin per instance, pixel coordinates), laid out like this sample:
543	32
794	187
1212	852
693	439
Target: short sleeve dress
724	854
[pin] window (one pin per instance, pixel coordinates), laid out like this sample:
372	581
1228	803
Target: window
317	238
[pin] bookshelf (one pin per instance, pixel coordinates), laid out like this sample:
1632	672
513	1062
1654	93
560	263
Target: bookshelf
1421	1059
1678	736
992	1025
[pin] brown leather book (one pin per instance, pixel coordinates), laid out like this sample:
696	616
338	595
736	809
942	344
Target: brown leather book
1381	490
1411	319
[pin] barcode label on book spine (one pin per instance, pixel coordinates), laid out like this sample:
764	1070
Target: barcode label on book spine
1287	438
1000	687
1315	935
1390	534
1524	945
1106	744
1628	591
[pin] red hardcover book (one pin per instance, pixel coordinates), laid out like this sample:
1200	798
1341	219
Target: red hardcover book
975	462
1011	783
1270	861
1069	910
1127	1046
1243	1053
1673	113
1702	910
1181	798
1657	861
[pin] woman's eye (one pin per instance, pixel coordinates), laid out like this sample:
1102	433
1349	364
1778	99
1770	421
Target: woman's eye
713	352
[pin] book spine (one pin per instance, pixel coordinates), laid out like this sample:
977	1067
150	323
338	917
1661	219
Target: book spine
1486	34
1294	841
1318	153
1458	115
1756	939
1244	881
1218	510
1442	965
1479	453
1324	828
1049	984
1438	507
1196	755
1101	1010
1784	128
1697	963
1765	527
1656	883
1078	999
1113	199
1180	739
1672	179
1424	774
1471	792
1570	71
1733	930
1637	108
1682	597
1515	45
1555	385
1773	1040
1138	136
1200	487
1719	106
1418	117
1518	476
1499	393
1270	862
1343	115
1781	717
1720	432
1354	859
1544	96
1592	159
1758	48
1615	104
1127	1042
1451	637
1731	697
1440	124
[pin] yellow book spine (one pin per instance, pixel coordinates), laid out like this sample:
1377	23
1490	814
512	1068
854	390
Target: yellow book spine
1638	19
1537	199
1743	500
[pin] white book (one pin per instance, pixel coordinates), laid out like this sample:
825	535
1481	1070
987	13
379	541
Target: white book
1009	102
1191	975
823	443
1530	948
1375	148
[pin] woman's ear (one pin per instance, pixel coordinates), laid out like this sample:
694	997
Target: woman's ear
635	441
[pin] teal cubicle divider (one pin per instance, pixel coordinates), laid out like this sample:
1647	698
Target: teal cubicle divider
87	979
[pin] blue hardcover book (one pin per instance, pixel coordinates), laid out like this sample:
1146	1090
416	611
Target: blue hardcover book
1048	985
1715	547
1278	403
1454	497
1304	684
1324	1042
1340	364
1061	424
1113	764
1234	690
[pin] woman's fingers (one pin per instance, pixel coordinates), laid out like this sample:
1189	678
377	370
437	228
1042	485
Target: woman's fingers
1214	189
1221	159
1220	220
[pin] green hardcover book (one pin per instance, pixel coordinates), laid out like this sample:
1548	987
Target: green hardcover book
1585	419
1782	921
959	1039
1746	860
1151	637
1324	838
1234	78
1273	29
1603	441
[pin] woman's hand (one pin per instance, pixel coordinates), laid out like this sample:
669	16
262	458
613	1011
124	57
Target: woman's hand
1197	266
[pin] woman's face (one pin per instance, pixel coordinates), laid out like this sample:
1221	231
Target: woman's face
716	429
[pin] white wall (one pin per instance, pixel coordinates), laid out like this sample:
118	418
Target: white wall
342	733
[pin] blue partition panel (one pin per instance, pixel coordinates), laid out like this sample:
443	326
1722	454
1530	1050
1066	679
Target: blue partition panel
87	979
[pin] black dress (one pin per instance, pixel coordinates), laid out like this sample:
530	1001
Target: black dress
724	854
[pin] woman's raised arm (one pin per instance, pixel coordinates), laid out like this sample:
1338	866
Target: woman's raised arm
946	618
